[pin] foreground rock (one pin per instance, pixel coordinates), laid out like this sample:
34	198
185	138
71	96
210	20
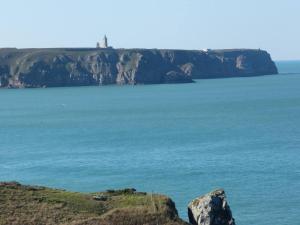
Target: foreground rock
82	67
210	209
32	205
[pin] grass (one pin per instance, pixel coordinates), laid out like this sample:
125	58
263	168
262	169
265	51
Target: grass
28	205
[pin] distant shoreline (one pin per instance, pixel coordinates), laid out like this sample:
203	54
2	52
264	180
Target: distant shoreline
61	67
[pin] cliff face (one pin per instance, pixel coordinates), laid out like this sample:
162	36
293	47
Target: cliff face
210	209
81	67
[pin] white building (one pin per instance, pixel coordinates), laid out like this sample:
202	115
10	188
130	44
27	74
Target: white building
206	50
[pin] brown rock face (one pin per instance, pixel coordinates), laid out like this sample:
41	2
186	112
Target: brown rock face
210	209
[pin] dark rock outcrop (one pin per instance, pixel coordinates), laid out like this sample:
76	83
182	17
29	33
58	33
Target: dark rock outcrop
210	209
82	67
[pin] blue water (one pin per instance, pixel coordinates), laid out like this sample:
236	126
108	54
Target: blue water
242	134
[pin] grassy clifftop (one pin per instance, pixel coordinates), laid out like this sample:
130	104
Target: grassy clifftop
30	205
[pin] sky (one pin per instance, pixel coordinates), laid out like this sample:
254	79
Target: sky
272	25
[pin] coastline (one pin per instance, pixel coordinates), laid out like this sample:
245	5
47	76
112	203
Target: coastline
30	205
62	67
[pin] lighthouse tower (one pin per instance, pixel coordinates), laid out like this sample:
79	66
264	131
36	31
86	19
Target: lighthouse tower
104	43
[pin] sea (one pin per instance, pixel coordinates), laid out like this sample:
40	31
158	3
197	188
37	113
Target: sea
181	140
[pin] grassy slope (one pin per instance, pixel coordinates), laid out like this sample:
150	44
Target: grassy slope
22	205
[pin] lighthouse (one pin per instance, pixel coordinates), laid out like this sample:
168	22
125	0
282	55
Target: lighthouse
104	42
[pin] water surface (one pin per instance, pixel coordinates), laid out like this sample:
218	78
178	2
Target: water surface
242	134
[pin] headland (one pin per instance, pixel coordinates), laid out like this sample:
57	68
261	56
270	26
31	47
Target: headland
61	67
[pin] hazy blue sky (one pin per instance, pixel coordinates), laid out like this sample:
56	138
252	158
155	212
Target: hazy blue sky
186	24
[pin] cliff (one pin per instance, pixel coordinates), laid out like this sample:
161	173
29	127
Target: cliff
82	67
32	205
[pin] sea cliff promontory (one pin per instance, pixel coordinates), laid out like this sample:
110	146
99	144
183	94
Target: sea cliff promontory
34	205
59	67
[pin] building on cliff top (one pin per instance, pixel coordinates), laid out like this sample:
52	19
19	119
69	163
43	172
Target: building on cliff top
207	50
103	43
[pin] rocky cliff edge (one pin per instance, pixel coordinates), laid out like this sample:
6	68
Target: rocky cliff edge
83	67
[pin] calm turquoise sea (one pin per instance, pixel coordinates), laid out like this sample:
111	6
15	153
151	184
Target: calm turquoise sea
242	134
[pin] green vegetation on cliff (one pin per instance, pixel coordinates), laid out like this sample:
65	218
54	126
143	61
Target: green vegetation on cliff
32	205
